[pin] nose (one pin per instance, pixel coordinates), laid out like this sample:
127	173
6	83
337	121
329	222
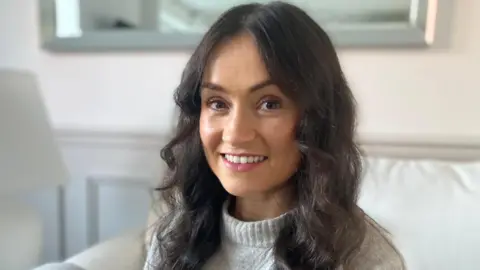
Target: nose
239	128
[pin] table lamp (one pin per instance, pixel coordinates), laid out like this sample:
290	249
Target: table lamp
29	159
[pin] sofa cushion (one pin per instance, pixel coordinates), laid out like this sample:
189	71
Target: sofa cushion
59	266
431	208
124	252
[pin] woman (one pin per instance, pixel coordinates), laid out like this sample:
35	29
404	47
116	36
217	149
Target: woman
263	168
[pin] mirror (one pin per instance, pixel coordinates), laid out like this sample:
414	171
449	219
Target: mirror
96	25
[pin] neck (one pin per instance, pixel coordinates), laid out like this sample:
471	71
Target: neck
261	207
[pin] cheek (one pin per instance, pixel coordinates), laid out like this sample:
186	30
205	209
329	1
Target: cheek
210	134
283	142
283	146
281	134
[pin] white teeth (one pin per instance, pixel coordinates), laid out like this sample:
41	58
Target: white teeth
244	159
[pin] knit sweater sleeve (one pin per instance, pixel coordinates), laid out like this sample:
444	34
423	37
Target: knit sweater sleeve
152	255
152	258
377	251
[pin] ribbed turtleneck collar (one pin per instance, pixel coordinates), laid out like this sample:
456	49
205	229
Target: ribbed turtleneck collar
255	233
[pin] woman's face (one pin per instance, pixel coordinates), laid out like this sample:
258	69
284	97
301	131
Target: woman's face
247	125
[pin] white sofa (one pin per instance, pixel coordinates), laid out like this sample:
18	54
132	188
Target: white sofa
431	208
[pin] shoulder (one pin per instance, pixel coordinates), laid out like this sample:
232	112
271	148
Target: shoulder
158	212
377	251
152	258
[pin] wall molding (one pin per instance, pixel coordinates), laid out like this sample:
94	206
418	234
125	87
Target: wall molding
434	146
116	139
441	147
94	183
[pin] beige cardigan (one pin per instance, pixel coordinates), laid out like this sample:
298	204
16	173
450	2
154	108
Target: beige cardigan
377	252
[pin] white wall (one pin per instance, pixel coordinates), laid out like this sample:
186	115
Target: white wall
433	92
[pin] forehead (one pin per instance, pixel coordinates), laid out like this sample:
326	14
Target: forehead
236	63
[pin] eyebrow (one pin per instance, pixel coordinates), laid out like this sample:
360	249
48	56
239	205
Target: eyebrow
253	88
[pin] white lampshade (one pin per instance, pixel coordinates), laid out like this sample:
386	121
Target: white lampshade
29	155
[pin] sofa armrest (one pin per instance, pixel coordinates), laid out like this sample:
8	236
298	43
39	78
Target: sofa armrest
126	252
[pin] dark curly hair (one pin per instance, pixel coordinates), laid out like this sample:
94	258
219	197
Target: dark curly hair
326	226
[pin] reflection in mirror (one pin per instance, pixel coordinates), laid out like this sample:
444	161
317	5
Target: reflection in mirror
195	16
184	21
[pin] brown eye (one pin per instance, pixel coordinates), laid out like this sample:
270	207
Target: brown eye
217	105
269	105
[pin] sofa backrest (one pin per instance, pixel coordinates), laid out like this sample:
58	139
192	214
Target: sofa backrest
431	208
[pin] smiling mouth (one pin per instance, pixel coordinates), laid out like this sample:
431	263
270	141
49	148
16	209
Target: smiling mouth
235	159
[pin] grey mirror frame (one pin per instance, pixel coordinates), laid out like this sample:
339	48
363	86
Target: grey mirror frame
417	32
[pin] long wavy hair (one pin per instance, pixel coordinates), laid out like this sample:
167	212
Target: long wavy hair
326	227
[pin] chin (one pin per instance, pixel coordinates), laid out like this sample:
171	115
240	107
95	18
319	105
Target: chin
240	189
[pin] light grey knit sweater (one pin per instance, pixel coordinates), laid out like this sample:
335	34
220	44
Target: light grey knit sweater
248	245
